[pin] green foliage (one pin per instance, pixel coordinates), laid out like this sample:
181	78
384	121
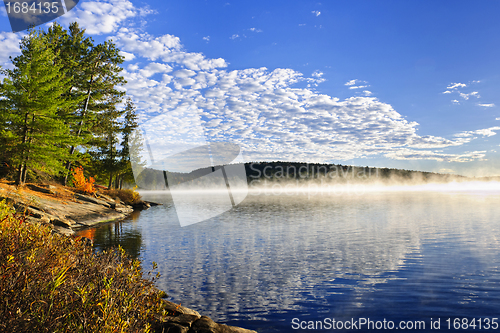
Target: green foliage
53	283
32	94
111	158
62	93
131	143
5	210
93	72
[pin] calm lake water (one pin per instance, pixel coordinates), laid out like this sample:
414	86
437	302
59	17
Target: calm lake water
400	256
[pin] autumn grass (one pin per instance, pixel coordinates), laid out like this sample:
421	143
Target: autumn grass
128	196
53	283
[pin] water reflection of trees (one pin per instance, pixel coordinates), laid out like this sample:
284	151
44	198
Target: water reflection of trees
120	233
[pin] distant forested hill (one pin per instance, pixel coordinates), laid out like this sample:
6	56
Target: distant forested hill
261	172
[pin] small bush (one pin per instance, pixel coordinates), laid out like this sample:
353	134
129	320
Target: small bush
82	183
53	283
128	196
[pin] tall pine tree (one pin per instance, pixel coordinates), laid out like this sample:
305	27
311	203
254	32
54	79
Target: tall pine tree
94	74
33	93
129	138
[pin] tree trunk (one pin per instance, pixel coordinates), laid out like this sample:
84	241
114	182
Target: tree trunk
30	138
110	184
19	178
80	124
22	166
23	175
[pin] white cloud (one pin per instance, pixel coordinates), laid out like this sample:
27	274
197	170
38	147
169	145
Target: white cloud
269	117
317	74
316	12
128	56
456	85
264	112
466	96
167	48
234	36
488	131
487	105
154	68
184	73
352	83
104	16
455	88
497	118
255	30
484	132
207	38
9	43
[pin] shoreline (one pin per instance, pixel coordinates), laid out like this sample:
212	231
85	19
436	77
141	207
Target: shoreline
67	212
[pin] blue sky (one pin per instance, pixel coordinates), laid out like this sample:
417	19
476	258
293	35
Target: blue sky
403	84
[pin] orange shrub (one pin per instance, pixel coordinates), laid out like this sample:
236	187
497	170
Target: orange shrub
81	182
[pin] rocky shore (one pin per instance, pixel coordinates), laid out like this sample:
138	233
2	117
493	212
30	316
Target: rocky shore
67	211
185	320
64	210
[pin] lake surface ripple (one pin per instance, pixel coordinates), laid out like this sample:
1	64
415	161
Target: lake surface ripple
398	256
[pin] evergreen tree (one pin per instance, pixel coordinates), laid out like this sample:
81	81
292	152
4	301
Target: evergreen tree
105	151
73	49
129	138
33	93
93	71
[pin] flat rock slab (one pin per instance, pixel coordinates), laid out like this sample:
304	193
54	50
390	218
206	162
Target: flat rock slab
70	211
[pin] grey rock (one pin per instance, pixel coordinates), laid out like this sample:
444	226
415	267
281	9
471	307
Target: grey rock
187	320
62	222
61	230
124	209
205	325
92	200
34	212
183	319
103	196
180	309
174	328
41	189
45	219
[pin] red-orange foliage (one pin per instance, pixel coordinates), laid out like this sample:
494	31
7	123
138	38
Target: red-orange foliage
82	183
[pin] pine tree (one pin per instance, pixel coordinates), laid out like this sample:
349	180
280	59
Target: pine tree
73	49
32	96
104	150
93	71
129	138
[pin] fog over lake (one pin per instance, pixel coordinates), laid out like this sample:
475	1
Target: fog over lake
407	253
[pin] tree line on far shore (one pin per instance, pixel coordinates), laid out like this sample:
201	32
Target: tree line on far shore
260	173
61	106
